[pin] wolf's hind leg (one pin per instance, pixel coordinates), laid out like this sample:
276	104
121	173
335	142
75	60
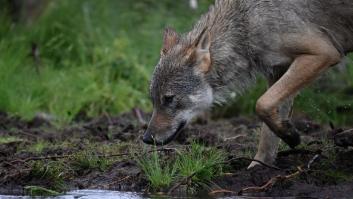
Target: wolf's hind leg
268	143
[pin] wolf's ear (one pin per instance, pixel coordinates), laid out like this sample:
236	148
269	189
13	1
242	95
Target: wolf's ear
170	38
202	52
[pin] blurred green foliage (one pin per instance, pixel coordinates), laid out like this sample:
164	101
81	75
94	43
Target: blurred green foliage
97	57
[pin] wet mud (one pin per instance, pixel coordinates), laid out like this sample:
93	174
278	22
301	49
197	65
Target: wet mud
115	137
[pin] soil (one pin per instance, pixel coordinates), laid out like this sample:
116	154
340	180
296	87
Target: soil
330	175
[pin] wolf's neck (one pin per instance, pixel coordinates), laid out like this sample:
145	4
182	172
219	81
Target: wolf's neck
231	70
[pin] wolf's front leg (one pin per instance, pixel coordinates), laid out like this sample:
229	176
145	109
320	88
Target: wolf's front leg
313	55
268	144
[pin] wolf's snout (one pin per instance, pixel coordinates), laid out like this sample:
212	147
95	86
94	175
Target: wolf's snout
161	137
147	137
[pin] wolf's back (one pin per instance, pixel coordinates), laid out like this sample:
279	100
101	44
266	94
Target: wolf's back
336	17
333	17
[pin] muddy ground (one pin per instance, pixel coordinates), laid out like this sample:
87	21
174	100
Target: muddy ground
34	145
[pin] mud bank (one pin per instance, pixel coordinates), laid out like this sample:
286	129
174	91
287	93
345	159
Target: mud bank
35	153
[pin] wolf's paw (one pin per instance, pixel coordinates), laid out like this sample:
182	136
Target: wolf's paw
265	158
253	165
291	135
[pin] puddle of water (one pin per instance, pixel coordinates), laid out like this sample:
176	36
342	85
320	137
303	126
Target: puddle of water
87	194
99	194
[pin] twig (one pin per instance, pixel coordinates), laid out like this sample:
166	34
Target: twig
271	182
46	157
221	191
138	115
278	178
10	164
183	181
28	134
234	138
186	179
116	182
312	161
110	121
123	179
35	54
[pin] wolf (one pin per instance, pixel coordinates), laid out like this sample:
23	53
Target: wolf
289	42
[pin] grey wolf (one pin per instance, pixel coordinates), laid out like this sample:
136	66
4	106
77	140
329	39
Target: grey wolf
289	42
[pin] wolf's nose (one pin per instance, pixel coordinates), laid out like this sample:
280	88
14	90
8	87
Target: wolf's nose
147	138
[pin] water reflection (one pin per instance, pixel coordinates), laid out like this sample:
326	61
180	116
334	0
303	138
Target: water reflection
99	194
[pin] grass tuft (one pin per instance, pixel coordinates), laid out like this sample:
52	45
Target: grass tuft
160	174
198	163
205	162
39	146
88	160
52	173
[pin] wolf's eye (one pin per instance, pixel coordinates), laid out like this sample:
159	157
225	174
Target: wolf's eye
168	99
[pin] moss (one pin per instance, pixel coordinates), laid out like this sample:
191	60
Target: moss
38	147
49	174
88	160
40	191
9	139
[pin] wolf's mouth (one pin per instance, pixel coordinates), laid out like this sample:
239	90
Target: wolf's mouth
173	136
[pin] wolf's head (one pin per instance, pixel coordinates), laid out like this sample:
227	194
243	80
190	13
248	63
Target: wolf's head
178	89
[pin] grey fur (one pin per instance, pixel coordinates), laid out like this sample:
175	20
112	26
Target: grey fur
248	37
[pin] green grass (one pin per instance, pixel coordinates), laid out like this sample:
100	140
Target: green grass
88	160
159	174
202	164
51	173
39	146
320	100
95	58
9	139
200	160
323	98
197	164
40	191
